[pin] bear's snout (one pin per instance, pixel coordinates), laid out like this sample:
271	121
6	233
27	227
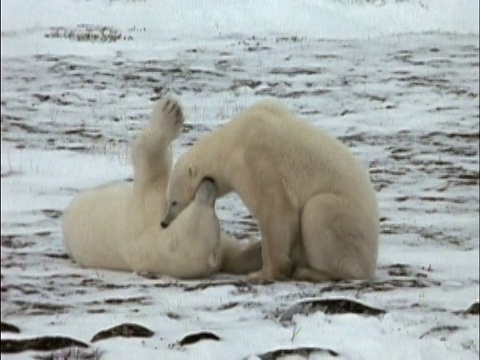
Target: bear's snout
164	224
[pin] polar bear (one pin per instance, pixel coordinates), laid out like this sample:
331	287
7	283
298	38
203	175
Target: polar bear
314	202
117	226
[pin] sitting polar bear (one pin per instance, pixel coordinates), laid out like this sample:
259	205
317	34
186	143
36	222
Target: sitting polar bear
117	226
314	202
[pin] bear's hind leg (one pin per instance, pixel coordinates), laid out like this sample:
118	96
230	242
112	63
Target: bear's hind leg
240	257
167	118
152	158
339	240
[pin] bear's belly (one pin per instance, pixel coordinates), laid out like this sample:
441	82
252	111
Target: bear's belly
94	225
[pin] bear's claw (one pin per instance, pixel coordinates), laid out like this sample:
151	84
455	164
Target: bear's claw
172	110
172	107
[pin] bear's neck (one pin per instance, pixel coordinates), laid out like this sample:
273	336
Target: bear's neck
219	165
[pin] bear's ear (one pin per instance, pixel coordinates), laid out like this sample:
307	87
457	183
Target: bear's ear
192	171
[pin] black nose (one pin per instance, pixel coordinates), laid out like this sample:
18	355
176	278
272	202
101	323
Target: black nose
164	224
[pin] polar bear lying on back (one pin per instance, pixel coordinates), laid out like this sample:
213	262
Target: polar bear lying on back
313	200
117	226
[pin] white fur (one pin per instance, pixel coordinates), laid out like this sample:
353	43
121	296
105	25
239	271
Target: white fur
313	199
118	226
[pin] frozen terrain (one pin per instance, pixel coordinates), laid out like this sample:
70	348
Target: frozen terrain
398	81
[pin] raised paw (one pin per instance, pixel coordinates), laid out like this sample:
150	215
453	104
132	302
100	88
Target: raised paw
167	117
171	107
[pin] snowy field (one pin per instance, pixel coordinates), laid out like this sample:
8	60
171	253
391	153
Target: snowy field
397	81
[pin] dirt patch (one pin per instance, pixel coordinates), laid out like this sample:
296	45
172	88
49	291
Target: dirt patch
31	129
141	300
86	32
52	214
379	286
427	234
239	284
15	242
228	306
63	256
25	289
399	270
37	308
441	331
72	353
291	71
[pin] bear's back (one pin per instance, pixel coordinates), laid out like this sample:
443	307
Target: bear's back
294	146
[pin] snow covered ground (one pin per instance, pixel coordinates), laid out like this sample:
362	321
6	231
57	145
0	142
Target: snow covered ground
395	80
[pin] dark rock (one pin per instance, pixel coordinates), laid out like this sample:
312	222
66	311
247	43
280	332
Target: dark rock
329	306
196	337
44	343
123	330
6	327
302	351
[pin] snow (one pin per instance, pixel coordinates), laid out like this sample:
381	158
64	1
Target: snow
395	80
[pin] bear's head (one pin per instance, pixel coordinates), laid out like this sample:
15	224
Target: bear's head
197	229
183	185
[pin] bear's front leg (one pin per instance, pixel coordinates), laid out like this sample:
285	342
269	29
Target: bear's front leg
279	233
266	193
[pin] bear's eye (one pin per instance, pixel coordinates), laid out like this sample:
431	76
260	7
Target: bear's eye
174	203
